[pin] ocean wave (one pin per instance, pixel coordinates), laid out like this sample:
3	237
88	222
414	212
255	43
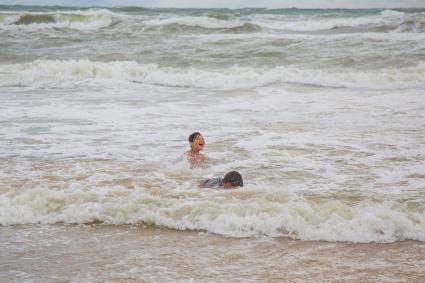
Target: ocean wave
78	20
381	36
199	21
259	22
244	213
321	24
387	20
392	13
57	73
411	24
179	27
93	19
133	9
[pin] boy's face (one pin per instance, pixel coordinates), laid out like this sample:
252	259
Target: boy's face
198	143
228	186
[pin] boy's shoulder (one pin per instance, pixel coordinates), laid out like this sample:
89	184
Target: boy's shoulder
212	183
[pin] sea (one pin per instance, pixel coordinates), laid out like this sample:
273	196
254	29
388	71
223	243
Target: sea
321	111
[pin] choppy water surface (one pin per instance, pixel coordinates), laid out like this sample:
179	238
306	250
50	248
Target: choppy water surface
322	111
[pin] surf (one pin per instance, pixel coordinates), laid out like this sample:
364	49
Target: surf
78	20
42	73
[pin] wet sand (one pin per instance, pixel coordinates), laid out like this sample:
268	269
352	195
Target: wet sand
99	253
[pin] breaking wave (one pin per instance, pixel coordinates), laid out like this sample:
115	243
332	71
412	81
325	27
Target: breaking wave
387	20
94	19
57	73
234	214
202	21
78	20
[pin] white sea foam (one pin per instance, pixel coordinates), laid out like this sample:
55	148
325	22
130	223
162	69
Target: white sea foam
392	13
235	214
54	73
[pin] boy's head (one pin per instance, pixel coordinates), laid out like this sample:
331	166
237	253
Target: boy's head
196	141
193	136
232	179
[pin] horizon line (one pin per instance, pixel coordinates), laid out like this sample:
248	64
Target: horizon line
254	7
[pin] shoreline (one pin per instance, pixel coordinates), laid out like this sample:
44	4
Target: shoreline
147	254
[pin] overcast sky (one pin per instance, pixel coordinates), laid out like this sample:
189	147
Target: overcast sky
229	3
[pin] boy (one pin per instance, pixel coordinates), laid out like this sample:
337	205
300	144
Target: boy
194	155
230	181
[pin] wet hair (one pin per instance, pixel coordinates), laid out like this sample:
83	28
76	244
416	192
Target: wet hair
234	179
193	136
